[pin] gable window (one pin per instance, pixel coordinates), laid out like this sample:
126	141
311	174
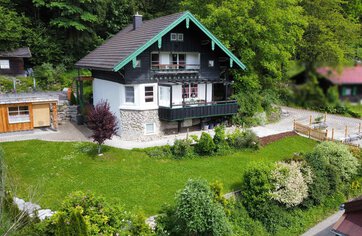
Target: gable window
4	64
149	94
18	114
190	90
211	63
173	37
150	128
129	94
180	37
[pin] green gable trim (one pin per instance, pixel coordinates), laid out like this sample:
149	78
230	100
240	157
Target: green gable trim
188	16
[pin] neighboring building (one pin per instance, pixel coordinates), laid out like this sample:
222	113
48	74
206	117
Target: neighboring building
349	81
12	62
350	222
26	111
163	75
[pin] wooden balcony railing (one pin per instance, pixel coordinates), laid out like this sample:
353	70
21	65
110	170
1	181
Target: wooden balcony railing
175	66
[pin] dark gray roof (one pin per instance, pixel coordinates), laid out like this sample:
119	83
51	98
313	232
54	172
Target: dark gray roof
20	52
124	43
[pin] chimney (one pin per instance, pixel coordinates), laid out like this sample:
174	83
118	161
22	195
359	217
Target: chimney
137	21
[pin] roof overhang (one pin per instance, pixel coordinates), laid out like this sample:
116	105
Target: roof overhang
187	17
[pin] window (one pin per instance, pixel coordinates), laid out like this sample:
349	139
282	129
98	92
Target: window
173	37
180	37
164	96
149	94
129	94
190	90
138	64
177	37
211	63
4	64
19	114
155	60
178	61
150	128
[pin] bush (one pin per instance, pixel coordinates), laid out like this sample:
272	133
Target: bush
99	218
205	145
197	213
181	148
220	140
334	154
159	152
290	182
247	139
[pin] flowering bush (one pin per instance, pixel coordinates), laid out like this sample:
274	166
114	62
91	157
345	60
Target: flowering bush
290	182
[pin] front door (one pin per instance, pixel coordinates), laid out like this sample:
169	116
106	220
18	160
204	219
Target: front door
41	115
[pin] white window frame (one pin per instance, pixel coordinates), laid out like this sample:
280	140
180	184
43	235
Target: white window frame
125	94
154	128
18	118
180	37
173	37
4	64
150	96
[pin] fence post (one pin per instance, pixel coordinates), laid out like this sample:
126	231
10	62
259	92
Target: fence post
326	137
359	128
332	134
294	124
310	120
325	117
309	133
345	132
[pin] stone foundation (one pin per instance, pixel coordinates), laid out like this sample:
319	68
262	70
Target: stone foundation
133	122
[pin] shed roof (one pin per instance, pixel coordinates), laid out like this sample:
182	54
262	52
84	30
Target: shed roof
19	52
13	98
123	47
350	222
349	75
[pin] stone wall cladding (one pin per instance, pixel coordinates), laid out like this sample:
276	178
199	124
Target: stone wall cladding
132	125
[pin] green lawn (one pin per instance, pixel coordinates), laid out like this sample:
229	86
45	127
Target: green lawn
129	177
357	109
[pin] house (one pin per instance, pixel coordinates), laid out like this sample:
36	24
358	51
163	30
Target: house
349	81
12	63
162	76
26	111
350	223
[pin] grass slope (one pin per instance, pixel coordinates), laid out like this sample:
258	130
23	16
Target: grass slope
127	177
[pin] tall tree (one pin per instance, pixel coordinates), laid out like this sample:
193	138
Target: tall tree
330	35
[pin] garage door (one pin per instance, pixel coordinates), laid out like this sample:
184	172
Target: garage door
41	115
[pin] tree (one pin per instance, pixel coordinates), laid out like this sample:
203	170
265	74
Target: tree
103	123
12	29
330	35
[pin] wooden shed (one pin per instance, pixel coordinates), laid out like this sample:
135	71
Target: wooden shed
26	111
12	63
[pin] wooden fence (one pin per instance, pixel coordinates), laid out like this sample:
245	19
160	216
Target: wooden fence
317	134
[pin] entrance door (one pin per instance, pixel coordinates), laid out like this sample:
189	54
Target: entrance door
41	115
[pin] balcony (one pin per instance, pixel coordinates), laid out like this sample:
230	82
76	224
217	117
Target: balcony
202	110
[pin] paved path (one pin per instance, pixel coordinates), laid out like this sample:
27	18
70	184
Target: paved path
324	228
72	132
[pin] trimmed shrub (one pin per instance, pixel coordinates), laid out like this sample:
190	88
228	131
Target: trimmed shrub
197	213
334	154
181	148
205	145
240	140
290	183
161	152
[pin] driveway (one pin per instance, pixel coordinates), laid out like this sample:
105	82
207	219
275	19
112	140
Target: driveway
69	131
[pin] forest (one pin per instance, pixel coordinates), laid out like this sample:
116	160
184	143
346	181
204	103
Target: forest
270	37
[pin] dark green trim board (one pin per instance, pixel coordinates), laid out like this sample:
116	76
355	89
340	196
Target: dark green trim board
187	16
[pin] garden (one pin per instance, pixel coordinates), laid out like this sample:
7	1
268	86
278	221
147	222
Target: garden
283	190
